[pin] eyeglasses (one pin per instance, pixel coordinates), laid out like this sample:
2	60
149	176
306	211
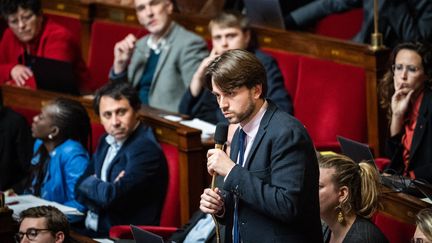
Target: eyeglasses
31	234
25	18
398	68
418	240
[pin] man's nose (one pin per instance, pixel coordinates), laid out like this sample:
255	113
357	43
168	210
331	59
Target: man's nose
223	103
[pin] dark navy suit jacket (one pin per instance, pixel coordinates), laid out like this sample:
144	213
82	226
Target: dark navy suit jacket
278	187
136	198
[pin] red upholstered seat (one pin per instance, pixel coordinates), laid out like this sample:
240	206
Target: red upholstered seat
70	23
330	101
97	131
288	64
170	217
394	230
104	35
341	25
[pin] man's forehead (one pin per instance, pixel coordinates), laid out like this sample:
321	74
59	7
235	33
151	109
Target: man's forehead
108	103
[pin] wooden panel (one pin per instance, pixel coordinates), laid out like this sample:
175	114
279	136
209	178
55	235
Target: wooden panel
400	206
187	140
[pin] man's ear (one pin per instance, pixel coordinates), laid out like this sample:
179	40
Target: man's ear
170	6
59	237
257	91
343	194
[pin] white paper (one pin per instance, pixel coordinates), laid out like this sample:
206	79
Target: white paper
172	118
207	128
23	202
104	240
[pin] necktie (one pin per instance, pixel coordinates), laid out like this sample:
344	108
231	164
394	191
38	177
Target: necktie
241	146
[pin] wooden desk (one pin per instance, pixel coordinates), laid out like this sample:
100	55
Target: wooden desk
193	173
401	206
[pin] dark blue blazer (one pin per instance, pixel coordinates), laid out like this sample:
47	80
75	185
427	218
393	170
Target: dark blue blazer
136	198
205	106
278	187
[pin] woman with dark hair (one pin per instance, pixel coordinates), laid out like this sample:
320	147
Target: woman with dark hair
348	194
406	94
29	32
62	130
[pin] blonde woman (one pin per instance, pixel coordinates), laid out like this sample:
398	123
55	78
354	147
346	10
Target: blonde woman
348	194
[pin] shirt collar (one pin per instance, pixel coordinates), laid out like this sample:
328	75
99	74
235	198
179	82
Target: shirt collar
158	45
251	128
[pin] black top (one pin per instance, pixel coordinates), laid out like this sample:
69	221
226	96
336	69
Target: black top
362	231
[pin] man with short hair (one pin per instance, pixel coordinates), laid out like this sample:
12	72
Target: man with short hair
43	224
127	178
231	30
161	64
268	186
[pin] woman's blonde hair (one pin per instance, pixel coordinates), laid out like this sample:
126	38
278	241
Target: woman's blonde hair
362	181
424	222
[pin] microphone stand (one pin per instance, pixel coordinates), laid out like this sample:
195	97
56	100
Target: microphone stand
213	185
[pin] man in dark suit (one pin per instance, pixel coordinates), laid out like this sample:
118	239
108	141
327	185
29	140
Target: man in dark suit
126	180
268	190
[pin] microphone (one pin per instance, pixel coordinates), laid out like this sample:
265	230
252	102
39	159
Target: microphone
221	134
220	138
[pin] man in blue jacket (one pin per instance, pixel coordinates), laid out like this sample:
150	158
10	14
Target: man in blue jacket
126	180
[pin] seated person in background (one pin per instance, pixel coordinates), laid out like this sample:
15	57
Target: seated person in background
127	178
423	233
16	145
62	131
406	94
348	194
31	33
399	20
231	30
200	228
160	65
43	224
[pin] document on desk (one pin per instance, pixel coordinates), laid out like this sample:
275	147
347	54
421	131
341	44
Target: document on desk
23	202
207	128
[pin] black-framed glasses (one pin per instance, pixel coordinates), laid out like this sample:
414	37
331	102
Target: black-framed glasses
31	234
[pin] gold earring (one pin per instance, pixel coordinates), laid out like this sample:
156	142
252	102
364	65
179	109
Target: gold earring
340	216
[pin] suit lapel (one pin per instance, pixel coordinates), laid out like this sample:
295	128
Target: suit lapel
164	55
261	132
421	121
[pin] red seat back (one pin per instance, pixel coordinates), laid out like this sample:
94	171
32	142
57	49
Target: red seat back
72	24
104	35
331	101
171	209
394	230
341	25
288	64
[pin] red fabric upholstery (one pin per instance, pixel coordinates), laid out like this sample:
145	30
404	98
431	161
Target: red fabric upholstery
342	25
331	101
382	163
71	23
394	230
288	64
97	131
104	35
170	217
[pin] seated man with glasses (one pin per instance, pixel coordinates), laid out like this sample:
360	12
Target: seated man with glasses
43	224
